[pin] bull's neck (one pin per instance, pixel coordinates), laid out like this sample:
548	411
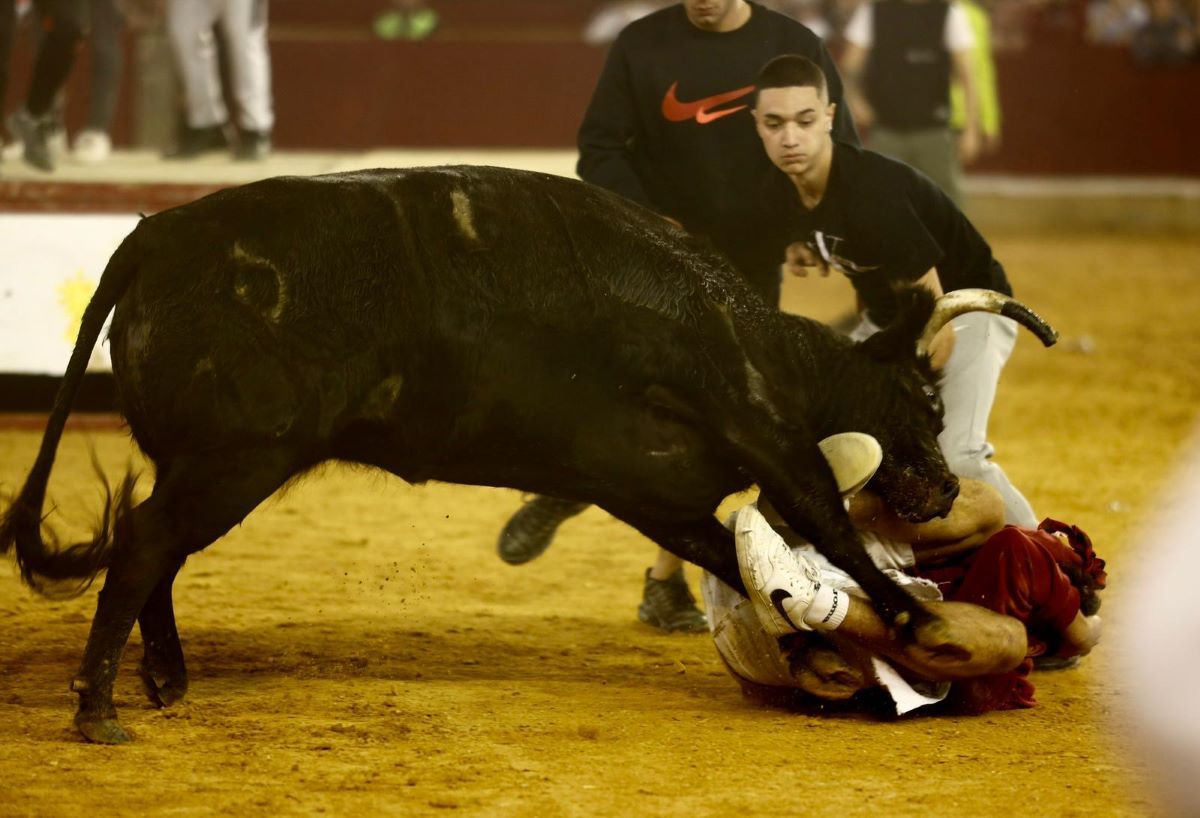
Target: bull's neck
833	373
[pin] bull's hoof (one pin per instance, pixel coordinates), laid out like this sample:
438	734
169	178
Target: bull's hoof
101	731
163	689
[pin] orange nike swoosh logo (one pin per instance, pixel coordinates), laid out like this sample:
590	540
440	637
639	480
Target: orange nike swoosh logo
700	110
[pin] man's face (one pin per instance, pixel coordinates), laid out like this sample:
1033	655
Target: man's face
794	125
712	15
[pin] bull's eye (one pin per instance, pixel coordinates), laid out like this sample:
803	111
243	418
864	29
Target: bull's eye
935	399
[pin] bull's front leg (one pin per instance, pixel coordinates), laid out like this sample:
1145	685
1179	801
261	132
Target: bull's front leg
703	542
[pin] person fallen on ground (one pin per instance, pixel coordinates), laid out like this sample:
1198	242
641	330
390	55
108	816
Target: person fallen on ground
1007	594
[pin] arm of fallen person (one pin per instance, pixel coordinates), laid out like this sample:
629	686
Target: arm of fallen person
977	514
974	642
968	641
1081	635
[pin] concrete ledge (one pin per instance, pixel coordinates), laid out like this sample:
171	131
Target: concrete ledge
140	181
1010	203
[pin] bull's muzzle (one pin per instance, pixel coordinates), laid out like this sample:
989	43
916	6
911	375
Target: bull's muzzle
936	503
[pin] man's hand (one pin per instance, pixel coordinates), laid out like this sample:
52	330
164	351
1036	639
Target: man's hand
941	347
1081	636
798	259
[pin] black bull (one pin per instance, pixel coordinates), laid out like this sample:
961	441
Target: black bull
471	325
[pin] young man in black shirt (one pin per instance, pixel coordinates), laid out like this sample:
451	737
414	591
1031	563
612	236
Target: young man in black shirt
880	223
668	126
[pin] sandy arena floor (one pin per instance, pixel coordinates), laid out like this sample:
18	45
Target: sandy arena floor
357	648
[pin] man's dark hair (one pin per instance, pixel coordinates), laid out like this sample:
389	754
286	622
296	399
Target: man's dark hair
791	71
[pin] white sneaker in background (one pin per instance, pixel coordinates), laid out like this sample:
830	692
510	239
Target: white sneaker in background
92	147
12	150
780	583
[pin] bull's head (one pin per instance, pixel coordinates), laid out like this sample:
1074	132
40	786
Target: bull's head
906	414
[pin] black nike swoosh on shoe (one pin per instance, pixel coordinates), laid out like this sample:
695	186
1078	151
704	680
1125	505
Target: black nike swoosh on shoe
777	598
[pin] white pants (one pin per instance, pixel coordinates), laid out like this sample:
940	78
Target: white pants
244	27
982	344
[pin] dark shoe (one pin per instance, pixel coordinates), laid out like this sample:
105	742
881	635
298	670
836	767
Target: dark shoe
668	604
196	141
34	132
530	531
253	146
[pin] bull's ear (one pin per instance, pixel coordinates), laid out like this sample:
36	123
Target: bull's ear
898	340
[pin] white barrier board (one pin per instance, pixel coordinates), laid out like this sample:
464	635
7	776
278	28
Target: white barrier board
49	267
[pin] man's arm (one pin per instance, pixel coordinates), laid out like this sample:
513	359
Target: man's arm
854	63
609	128
858	36
977	514
943	343
961	44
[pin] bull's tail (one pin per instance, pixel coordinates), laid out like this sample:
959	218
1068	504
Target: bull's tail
21	526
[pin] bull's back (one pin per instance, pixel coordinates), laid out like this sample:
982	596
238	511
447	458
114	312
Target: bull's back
284	304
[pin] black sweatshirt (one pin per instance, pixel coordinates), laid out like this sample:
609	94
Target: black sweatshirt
669	123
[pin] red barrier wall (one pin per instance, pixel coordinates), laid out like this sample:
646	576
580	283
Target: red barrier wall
1071	108
432	94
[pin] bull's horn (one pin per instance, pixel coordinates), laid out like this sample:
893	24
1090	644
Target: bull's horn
955	303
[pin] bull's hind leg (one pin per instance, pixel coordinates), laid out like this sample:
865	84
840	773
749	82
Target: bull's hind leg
138	565
197	501
162	669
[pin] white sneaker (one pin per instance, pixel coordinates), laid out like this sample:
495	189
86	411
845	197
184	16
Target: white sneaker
853	457
780	583
92	147
12	151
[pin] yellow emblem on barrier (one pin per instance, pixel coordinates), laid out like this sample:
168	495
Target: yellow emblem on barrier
73	295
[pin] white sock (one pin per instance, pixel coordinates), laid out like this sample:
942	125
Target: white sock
828	608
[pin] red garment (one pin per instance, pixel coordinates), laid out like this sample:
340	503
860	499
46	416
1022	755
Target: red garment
1032	576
